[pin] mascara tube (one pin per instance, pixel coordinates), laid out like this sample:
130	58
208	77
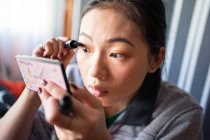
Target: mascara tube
65	105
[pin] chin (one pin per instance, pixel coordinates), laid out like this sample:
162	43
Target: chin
106	103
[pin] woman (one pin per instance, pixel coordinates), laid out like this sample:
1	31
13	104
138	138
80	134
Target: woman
120	65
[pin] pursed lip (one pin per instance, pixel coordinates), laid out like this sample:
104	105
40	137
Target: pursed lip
97	90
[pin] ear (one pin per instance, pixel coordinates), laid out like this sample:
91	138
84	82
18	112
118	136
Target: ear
156	60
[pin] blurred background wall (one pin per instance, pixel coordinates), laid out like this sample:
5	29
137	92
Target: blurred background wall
26	23
23	25
188	50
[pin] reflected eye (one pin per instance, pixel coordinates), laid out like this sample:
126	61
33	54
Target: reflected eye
117	55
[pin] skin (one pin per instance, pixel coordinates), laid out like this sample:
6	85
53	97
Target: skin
110	67
17	122
113	64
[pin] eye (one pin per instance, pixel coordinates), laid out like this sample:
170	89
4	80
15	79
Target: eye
117	55
85	50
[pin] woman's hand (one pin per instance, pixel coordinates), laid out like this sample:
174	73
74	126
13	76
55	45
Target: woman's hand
54	49
88	119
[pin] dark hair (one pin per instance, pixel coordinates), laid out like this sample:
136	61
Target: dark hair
149	15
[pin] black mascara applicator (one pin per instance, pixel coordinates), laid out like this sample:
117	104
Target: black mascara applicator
72	44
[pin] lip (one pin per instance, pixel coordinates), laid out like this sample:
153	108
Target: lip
98	91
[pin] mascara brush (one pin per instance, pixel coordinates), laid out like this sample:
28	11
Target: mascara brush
72	44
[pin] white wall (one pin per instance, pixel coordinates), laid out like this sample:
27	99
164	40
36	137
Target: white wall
78	6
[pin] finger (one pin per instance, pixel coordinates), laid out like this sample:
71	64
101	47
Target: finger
70	126
52	112
87	98
64	54
51	107
57	92
63	38
54	90
44	96
62	50
48	49
62	133
45	48
55	45
38	51
53	115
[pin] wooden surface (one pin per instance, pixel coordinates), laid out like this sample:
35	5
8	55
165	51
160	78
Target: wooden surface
68	18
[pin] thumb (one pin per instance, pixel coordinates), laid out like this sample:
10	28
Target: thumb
38	51
85	97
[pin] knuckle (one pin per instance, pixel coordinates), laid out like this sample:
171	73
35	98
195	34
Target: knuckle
51	118
52	88
48	43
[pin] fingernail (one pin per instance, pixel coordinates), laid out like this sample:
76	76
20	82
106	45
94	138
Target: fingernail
39	90
44	82
73	86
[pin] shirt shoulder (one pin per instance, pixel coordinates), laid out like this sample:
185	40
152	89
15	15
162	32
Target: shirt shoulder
172	99
175	115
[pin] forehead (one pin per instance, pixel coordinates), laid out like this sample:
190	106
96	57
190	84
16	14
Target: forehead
108	21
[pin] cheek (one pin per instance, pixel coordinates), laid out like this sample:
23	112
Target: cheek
131	76
124	84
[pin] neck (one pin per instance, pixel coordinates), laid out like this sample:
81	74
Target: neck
112	110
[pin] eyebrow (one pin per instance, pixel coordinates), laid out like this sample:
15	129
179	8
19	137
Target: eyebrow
120	39
111	40
86	35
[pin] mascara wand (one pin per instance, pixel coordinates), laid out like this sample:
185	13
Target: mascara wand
72	44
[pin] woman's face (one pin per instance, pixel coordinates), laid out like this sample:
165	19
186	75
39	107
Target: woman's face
114	61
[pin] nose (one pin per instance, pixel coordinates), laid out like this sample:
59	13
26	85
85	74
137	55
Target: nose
98	67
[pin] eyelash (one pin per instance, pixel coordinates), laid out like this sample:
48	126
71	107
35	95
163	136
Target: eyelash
117	55
114	55
85	50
